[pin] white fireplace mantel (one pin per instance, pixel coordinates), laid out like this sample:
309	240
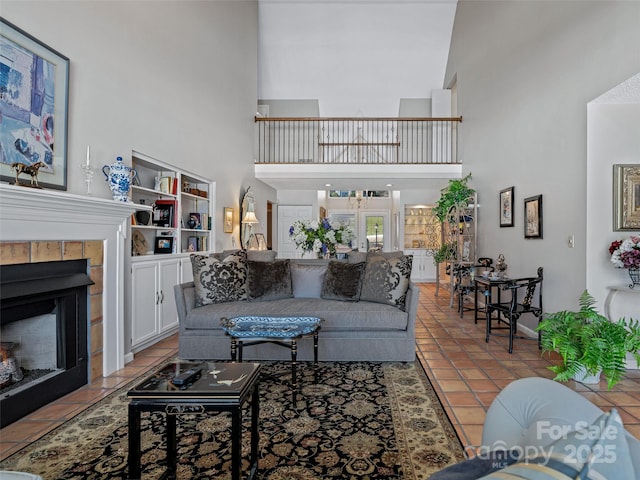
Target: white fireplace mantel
38	214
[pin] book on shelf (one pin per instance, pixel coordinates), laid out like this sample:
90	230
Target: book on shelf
198	221
164	213
168	184
192	244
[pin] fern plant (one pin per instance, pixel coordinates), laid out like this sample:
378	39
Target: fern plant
588	340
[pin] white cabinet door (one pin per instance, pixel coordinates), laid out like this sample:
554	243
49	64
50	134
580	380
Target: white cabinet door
145	300
422	269
169	273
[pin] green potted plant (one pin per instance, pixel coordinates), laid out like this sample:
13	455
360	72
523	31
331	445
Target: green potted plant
447	251
588	342
456	194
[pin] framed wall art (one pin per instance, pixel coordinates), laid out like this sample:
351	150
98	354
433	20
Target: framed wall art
33	131
626	197
228	219
533	217
506	207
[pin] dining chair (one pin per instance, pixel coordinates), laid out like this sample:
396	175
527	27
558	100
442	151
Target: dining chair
464	286
523	300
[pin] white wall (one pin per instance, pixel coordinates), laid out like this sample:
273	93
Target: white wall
613	138
356	58
525	72
175	80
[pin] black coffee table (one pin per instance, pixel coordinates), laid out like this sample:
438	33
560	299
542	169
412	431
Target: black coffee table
218	387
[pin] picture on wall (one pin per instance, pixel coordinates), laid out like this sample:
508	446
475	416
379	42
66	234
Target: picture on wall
626	197
533	217
506	207
34	103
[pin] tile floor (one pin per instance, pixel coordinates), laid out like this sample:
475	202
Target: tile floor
466	372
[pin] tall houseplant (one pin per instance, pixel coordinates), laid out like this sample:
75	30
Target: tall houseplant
456	194
587	340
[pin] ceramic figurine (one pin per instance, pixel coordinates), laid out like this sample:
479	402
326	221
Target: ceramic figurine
32	170
10	372
501	266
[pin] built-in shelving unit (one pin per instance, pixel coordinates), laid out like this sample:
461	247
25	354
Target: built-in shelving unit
173	221
421	237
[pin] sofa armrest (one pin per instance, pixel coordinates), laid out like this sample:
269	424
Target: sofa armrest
411	306
185	295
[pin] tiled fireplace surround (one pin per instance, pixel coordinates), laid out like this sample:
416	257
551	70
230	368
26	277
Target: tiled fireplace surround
46	225
12	253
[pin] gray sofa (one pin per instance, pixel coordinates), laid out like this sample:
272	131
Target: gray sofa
351	331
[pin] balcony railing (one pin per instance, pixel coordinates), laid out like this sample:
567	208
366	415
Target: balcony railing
358	140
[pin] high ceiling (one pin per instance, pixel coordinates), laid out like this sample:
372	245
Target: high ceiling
354	58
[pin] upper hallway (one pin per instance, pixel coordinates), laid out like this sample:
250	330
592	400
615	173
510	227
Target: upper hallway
347	152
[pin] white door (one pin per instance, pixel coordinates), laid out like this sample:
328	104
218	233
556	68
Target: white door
287	214
374	232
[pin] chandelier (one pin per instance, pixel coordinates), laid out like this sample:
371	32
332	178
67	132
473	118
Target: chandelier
360	199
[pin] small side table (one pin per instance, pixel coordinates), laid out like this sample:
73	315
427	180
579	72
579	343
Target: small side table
220	387
628	302
283	331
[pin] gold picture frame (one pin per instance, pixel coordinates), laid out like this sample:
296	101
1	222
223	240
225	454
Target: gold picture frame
626	197
228	220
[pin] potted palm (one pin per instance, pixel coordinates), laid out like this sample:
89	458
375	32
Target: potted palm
588	342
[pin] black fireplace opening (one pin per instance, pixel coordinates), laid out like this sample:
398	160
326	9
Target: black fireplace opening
44	334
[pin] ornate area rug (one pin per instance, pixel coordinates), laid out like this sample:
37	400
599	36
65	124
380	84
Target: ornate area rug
359	421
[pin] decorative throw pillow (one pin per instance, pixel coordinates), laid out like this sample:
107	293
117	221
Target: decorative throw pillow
386	280
595	452
387	255
307	280
219	280
343	281
268	280
356	257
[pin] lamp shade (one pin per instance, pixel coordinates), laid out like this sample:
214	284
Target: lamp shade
250	217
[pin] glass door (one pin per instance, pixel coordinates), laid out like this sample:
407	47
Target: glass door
375	231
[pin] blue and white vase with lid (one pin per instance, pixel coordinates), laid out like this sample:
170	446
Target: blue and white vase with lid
119	176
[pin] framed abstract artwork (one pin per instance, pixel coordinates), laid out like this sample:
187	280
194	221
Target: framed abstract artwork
34	105
533	217
506	207
626	197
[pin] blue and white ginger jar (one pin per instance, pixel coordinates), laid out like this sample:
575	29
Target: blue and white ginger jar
119	177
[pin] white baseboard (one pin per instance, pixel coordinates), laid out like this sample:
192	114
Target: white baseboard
128	358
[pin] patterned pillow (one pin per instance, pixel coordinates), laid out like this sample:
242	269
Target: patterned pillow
219	280
596	452
268	280
343	281
386	280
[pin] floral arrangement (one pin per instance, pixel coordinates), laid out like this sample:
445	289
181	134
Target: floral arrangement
626	253
319	237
